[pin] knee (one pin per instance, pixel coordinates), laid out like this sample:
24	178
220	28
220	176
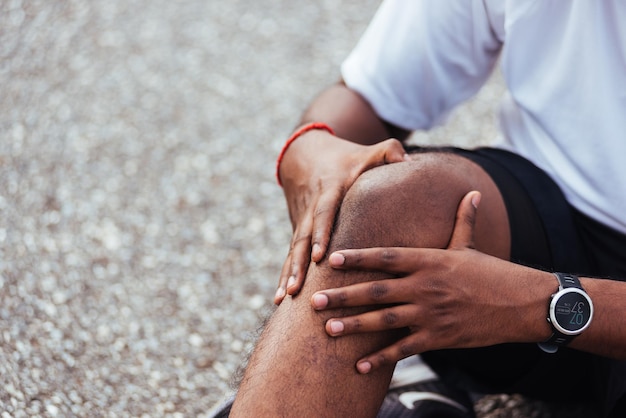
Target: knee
403	204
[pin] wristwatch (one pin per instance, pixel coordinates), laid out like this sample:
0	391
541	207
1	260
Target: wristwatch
569	313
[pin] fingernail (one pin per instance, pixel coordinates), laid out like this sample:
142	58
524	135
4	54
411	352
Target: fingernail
291	281
336	259
320	301
316	251
476	200
336	327
280	293
406	157
364	367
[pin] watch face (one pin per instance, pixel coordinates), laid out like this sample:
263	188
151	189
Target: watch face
571	311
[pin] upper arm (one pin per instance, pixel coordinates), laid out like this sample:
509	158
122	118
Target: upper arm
418	59
351	116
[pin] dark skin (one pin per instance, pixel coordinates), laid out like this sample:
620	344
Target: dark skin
473	312
314	188
411	204
316	185
402	215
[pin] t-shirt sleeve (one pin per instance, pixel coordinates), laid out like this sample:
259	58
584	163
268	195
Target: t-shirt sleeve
419	58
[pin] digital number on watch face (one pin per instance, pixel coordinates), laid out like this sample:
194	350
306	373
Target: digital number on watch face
572	311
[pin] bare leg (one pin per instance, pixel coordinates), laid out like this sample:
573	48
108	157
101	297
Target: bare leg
296	369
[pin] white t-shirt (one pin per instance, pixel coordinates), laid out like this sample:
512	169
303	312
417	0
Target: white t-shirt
564	63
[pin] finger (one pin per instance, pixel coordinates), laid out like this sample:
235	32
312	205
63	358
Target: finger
378	292
288	275
300	257
395	260
385	319
463	233
403	348
299	265
392	151
385	152
281	291
323	220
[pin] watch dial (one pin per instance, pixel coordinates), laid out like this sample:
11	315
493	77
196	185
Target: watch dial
572	311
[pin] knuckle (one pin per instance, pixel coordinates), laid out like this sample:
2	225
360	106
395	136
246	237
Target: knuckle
298	239
407	349
356	258
381	359
389	317
342	298
387	256
378	290
321	210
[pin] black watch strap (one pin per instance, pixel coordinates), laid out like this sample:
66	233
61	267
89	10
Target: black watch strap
558	339
567	280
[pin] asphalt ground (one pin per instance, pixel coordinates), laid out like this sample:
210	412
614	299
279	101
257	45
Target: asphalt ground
141	229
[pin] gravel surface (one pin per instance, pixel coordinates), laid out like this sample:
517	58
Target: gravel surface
141	230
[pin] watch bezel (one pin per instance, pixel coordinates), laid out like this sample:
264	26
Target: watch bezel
553	303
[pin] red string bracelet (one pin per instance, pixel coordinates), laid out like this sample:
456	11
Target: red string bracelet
304	128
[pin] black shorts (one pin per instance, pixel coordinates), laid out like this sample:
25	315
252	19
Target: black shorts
549	234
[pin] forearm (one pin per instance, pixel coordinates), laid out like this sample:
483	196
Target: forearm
350	116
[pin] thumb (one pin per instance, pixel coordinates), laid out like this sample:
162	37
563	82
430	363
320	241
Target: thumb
463	233
392	151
